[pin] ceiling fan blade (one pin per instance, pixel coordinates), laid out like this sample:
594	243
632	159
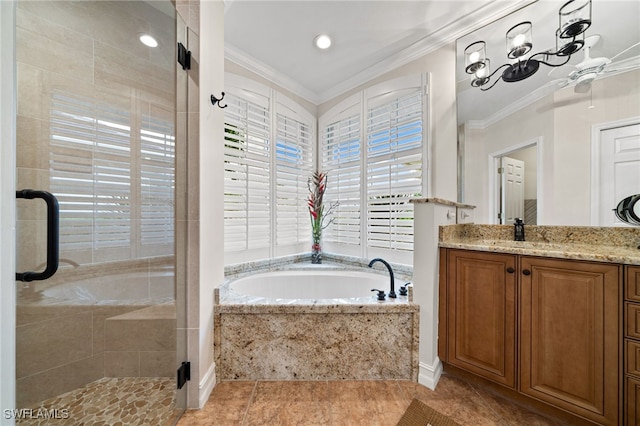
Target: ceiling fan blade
625	50
621	69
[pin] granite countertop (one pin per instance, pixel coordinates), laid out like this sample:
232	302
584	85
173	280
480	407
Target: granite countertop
600	244
442	202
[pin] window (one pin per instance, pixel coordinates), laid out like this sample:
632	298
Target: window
375	141
100	171
341	159
293	167
265	182
247	152
394	169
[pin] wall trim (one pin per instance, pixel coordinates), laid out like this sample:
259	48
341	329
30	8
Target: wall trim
429	375
206	385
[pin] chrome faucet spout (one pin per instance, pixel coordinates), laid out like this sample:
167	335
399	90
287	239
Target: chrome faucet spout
392	293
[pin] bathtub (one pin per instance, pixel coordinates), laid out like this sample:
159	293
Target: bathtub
314	323
133	288
313	284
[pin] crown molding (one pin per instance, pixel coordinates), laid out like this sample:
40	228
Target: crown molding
269	73
482	16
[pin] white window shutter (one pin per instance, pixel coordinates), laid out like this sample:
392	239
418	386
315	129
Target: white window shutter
341	150
247	172
394	168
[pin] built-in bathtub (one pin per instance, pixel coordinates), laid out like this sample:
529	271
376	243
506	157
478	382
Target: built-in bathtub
309	322
132	288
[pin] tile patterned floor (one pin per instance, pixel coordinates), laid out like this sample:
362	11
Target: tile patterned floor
109	401
353	403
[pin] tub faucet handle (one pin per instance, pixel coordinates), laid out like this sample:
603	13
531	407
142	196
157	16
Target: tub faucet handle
381	294
403	289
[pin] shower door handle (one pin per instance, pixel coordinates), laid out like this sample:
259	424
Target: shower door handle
53	235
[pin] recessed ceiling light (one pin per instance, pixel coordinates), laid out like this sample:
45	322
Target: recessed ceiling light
322	41
147	40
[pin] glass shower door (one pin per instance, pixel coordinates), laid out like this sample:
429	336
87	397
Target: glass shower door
96	128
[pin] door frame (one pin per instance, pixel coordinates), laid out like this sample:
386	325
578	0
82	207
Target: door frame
494	179
7	209
596	142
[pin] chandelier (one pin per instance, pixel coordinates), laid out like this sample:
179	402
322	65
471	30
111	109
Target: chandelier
575	18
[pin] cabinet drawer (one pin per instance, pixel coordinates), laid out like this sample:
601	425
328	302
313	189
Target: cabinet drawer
633	357
632	323
632	285
632	403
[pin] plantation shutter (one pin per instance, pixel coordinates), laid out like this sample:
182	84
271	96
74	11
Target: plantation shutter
394	167
90	169
294	165
157	173
341	159
247	171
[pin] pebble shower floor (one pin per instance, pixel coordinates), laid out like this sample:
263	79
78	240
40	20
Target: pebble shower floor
110	401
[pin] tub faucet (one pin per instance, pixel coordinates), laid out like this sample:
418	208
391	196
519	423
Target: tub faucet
392	293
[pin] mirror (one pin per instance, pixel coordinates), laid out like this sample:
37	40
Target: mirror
581	128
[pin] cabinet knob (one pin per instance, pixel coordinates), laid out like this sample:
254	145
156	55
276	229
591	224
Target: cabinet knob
510	270
526	272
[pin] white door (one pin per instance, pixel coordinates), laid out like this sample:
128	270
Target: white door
512	193
619	170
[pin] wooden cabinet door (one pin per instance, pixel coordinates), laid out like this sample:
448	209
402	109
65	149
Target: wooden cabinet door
481	291
569	335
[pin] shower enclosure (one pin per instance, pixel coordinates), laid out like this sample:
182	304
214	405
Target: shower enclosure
95	127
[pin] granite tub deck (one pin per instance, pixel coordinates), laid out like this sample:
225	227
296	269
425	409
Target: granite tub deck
357	339
598	244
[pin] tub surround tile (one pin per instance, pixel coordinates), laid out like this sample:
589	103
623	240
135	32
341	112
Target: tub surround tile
263	338
321	346
600	244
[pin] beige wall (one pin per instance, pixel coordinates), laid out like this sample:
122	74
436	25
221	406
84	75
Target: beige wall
564	122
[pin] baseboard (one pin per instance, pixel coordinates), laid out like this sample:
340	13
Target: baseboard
430	374
206	385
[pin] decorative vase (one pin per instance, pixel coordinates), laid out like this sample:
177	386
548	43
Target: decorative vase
316	253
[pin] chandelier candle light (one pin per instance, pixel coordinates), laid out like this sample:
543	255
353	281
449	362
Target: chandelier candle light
575	18
317	184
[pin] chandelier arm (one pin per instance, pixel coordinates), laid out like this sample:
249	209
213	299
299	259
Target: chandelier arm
498	69
494	83
547	63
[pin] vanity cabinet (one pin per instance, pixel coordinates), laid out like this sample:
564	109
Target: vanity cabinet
481	306
548	328
632	345
569	335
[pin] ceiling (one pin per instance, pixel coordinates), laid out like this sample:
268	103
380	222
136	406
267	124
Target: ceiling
275	38
371	37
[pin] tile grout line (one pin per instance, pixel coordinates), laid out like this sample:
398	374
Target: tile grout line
253	393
